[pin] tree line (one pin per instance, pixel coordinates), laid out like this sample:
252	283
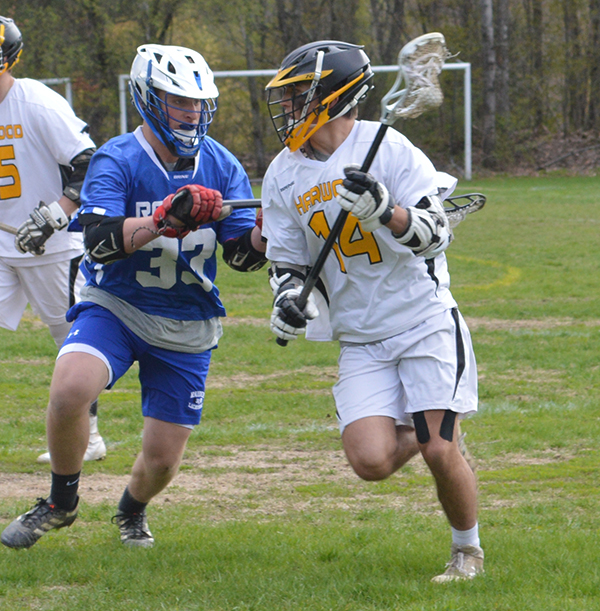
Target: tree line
534	63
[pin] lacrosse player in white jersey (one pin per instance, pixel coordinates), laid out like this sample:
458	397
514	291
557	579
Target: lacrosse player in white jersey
407	373
45	151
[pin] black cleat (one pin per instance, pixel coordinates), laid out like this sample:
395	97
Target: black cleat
134	529
29	527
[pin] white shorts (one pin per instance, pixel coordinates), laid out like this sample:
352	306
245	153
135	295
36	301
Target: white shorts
431	366
50	288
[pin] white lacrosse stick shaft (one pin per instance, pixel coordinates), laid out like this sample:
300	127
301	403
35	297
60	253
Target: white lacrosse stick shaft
8	229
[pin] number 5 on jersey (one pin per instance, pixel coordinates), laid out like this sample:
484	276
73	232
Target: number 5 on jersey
9	170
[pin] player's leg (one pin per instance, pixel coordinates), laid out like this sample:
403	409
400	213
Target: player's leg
51	290
154	468
13	299
438	436
173	386
439	374
76	378
157	464
370	402
95	354
376	447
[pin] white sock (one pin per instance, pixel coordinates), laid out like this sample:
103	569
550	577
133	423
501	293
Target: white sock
466	537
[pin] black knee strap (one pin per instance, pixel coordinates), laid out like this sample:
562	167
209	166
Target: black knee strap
421	428
447	426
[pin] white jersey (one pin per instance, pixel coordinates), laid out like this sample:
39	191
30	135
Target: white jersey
38	132
376	287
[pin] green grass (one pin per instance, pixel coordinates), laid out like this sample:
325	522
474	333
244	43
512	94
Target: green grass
266	514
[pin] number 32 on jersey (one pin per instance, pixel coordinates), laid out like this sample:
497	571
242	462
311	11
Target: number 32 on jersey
353	241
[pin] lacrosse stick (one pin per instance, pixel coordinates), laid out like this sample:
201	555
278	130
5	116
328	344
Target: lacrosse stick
230	205
419	63
8	229
456	212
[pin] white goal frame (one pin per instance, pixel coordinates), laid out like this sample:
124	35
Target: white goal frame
61	81
466	67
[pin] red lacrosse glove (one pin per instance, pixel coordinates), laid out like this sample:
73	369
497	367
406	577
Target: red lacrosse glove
192	206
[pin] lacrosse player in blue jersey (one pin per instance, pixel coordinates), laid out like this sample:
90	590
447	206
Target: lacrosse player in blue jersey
150	213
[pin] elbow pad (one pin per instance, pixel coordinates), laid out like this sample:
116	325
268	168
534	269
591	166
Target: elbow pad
76	175
103	237
240	255
428	233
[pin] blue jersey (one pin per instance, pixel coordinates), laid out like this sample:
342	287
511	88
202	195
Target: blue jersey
167	277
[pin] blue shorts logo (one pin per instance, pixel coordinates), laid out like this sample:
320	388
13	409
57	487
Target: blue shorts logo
196	400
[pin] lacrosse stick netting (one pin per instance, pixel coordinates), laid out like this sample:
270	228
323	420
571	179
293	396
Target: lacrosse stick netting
420	62
456	212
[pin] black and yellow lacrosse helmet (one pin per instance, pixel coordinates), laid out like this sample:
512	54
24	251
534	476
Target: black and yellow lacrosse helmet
11	44
337	75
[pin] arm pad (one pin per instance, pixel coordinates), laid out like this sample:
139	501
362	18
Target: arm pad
103	237
80	164
240	255
428	232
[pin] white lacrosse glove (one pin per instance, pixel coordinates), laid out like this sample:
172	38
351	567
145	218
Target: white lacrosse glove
287	320
428	232
368	200
276	281
41	224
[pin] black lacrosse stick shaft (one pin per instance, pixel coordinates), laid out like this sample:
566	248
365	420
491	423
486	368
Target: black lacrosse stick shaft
334	234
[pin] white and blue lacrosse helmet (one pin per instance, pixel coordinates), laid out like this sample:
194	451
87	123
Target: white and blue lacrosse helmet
180	72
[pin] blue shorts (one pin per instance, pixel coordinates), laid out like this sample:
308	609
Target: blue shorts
172	382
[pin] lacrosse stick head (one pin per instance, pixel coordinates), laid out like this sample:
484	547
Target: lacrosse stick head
457	207
420	62
315	84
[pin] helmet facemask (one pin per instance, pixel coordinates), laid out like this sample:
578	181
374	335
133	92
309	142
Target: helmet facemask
291	121
184	139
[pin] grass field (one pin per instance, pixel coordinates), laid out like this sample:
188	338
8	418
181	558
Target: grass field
267	516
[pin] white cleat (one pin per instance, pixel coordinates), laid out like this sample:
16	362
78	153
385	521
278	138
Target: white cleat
466	563
96	449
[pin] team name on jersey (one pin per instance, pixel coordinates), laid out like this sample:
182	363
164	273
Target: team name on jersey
317	195
146	208
10	132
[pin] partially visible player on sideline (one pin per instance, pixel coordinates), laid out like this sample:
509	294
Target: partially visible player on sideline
45	152
406	368
150	209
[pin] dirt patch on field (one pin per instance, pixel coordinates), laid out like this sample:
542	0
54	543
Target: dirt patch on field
241	483
228	483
